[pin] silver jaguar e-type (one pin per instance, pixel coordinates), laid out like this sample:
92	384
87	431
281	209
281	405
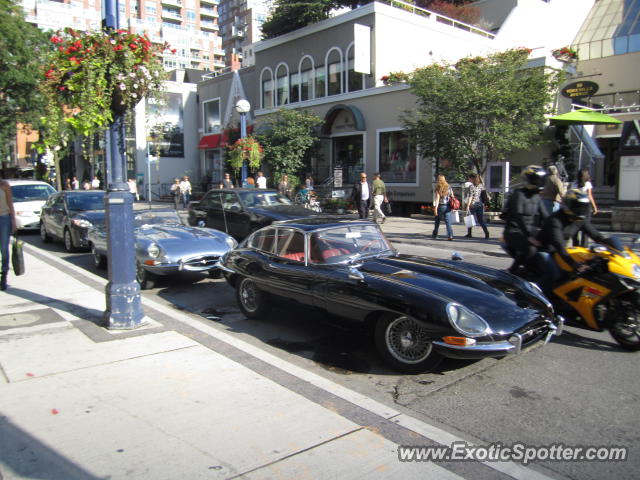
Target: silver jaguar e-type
165	246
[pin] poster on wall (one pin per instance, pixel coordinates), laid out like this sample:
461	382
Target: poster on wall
397	158
166	125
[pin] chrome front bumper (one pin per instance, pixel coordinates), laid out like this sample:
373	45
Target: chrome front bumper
513	345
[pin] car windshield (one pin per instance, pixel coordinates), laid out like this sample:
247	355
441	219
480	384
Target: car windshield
156	218
263	199
347	243
86	201
29	193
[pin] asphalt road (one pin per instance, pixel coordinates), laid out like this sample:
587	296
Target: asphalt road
578	390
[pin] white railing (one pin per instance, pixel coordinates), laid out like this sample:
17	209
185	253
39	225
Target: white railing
437	17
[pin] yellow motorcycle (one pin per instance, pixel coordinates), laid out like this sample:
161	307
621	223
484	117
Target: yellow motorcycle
606	294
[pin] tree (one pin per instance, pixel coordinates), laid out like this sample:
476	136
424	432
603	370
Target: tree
287	137
290	15
21	49
479	109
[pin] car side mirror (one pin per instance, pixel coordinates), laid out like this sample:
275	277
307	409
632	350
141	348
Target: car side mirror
234	208
355	274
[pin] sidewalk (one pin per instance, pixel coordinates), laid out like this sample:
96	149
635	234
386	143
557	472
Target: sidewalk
179	398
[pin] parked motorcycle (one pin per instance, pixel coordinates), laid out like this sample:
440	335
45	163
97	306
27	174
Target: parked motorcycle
605	295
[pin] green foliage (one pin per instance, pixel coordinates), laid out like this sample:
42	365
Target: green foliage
21	49
89	76
288	138
247	148
290	15
479	109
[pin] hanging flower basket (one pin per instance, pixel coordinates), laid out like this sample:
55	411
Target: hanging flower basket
565	54
93	75
247	148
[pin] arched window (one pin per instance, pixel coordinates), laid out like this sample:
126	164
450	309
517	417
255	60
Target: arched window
355	81
282	84
305	75
320	82
266	85
334	71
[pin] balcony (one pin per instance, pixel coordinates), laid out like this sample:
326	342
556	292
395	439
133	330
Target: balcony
173	3
209	2
171	15
210	26
208	12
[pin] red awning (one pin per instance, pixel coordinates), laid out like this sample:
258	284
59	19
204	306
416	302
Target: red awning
210	141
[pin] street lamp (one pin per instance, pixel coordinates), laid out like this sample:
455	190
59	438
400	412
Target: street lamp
124	307
243	107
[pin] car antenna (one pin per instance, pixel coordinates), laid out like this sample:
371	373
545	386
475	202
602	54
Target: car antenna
224	215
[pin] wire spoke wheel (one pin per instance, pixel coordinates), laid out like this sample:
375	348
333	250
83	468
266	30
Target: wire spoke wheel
252	301
405	344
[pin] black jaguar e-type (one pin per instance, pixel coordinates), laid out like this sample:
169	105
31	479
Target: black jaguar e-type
420	309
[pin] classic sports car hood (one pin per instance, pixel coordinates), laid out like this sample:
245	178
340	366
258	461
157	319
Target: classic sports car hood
182	237
496	296
282	212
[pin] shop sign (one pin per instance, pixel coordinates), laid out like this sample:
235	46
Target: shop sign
580	89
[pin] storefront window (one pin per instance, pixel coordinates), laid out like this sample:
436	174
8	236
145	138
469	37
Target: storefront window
211	116
397	157
349	156
166	124
213	166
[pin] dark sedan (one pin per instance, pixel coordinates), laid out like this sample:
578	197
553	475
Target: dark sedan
68	215
241	211
420	309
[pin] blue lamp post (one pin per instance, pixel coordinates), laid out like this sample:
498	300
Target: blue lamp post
124	310
243	107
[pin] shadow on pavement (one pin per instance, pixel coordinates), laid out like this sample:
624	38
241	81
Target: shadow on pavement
27	457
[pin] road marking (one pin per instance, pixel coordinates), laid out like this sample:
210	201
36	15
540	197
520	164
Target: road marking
424	429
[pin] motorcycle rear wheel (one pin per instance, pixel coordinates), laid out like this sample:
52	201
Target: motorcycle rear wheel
624	323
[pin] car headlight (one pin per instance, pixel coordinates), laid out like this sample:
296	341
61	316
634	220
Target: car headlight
153	250
467	322
636	271
81	222
231	242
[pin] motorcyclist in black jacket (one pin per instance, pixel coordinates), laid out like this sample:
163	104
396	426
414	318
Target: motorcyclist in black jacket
523	217
557	229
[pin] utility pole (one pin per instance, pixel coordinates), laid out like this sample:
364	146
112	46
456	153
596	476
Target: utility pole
124	309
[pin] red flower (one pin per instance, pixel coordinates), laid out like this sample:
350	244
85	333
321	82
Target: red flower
133	46
62	89
173	50
49	73
118	48
55	39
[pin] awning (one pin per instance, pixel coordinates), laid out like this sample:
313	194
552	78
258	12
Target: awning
583	117
210	141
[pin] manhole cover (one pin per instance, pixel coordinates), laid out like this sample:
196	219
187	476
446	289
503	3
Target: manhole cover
26	319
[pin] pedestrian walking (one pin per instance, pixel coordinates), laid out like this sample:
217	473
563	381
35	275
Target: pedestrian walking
361	196
379	196
185	191
553	190
75	184
284	187
443	209
67	184
249	182
308	182
583	183
7	227
133	188
475	204
261	181
227	181
95	183
86	185
175	190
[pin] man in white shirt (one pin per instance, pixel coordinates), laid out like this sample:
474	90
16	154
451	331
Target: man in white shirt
95	183
261	181
185	191
362	196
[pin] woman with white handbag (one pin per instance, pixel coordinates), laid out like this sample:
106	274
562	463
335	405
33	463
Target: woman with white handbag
475	206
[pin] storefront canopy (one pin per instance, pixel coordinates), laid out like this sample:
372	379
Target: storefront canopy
583	117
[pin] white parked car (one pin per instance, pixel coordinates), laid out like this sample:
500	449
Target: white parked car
28	198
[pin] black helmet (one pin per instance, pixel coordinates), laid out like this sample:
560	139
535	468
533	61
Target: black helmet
576	204
533	177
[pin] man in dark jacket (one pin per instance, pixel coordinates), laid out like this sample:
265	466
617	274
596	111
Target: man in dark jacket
558	229
523	217
361	195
